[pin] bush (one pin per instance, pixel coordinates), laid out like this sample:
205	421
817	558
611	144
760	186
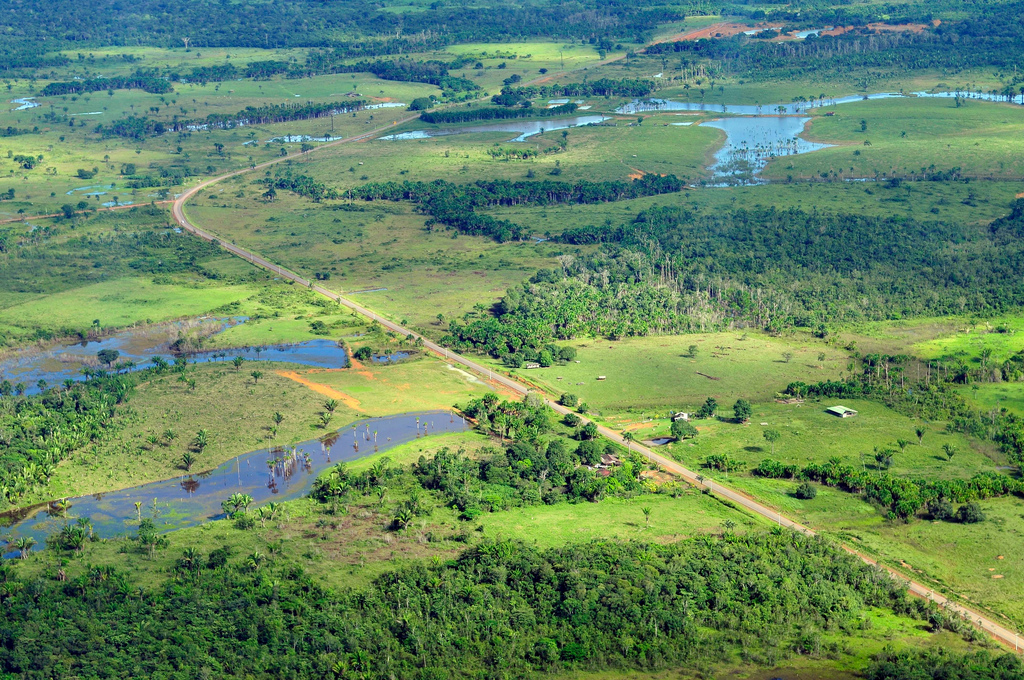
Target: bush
571	420
970	513
363	354
568	400
941	509
806	491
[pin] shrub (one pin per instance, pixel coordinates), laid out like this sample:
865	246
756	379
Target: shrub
970	513
806	491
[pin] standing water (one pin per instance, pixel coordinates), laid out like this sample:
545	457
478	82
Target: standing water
276	473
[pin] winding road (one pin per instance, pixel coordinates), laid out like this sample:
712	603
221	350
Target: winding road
1002	634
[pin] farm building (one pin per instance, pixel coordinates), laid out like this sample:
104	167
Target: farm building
841	411
681	416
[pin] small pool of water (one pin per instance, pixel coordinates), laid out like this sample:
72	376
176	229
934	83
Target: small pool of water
25	103
392	358
660	441
265	474
751	142
524	128
61	362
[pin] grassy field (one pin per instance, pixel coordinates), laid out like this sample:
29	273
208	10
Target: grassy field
983	139
915	200
237	413
656	374
809	434
380	246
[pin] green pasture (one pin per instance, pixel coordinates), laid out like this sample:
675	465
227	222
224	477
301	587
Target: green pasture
68	148
381	245
655	374
613	150
984	139
922	201
810	435
1002	335
119	303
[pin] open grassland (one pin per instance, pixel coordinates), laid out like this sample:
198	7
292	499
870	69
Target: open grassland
983	139
67	141
656	374
421	384
380	245
119	303
977	202
613	150
237	411
810	435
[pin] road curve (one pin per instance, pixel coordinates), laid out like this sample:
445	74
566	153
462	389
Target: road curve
1002	634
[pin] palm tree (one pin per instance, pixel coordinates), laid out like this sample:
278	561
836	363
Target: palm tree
920	434
263	514
188	459
138	509
256	375
647	515
949	450
191	560
331	405
244	501
277	418
86	524
201	440
325	420
255	560
237	362
24	546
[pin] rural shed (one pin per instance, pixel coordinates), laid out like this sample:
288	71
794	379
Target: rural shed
841	411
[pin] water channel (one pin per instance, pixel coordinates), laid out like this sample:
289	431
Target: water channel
522	127
143	345
269	474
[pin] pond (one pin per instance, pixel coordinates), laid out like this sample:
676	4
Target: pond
269	474
755	134
660	441
142	345
751	142
524	128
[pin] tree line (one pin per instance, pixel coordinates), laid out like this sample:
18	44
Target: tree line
494	113
138	127
147	81
454	204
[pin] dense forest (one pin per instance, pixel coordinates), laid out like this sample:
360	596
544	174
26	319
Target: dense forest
353	29
990	35
499	607
40	431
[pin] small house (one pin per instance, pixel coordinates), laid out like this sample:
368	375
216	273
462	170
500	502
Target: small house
600	377
609	459
531	364
841	411
681	416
